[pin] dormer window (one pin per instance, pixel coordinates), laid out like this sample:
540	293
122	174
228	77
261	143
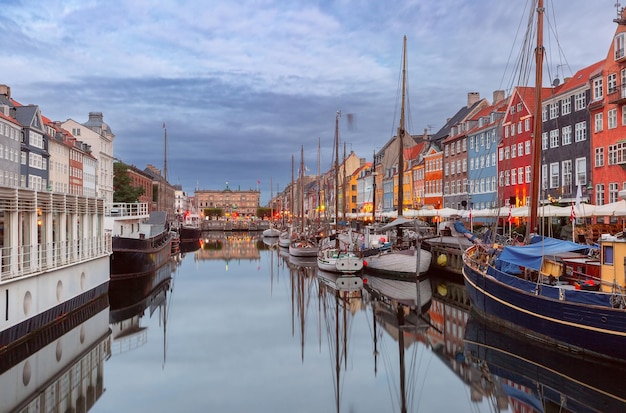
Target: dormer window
618	46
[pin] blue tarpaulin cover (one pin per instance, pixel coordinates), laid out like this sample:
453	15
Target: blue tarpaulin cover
531	256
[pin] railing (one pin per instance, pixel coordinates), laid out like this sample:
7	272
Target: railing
126	209
26	260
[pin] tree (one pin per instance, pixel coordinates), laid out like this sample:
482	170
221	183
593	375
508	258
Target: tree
123	190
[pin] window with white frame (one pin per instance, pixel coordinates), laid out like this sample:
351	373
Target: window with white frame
507	177
544	113
611	83
544	177
611	118
613	192
520	174
544	140
599	194
554	138
598	122
520	149
580	101
527	147
527	124
513	177
566	135
617	153
618	45
599	157
581	171
554	175
527	174
566	169
513	151
554	110
598	91
566	105
580	131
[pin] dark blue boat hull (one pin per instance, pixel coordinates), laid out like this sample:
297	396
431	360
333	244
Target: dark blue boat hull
580	327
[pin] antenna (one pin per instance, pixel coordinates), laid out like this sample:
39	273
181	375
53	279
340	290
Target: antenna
619	9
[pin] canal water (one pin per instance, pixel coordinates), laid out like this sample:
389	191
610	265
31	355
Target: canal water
237	325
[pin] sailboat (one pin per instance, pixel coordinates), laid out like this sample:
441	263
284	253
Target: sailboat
303	244
284	239
331	255
392	261
543	290
271	232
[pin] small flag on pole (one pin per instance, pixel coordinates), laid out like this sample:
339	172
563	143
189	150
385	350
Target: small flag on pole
572	215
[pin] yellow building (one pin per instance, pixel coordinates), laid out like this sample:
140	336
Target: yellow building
231	202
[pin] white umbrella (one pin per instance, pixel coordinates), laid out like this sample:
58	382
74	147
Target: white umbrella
613	209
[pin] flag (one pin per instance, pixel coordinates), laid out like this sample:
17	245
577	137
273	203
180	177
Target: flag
572	215
163	125
258	182
510	217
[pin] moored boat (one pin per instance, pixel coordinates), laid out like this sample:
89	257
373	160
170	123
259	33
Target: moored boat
55	258
536	289
142	250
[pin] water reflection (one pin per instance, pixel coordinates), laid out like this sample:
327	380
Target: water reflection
505	373
61	367
227	246
130	299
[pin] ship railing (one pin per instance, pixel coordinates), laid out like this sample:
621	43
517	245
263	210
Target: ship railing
127	209
27	260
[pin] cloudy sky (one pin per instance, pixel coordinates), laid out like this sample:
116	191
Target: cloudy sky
243	85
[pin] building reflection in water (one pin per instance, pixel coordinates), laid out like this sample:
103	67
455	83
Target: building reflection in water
230	246
61	367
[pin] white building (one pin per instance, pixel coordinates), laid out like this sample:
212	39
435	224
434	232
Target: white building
99	136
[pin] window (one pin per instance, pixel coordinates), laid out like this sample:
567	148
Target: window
566	135
611	118
554	175
598	122
566	106
580	131
544	113
554	138
520	174
613	192
611	83
618	44
513	151
599	157
580	101
617	154
623	115
544	141
520	149
598	91
581	171
600	194
527	124
527	147
554	110
544	176
513	177
607	253
566	168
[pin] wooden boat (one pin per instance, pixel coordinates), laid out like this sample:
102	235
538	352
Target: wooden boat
517	287
143	250
334	256
394	261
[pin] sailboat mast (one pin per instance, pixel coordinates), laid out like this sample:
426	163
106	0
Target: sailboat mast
401	136
302	189
291	201
535	184
337	175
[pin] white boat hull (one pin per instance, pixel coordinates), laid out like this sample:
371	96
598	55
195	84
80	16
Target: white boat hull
398	263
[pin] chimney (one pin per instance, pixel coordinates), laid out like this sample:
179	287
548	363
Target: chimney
5	90
498	95
425	136
472	97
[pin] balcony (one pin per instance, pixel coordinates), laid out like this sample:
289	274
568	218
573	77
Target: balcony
617	95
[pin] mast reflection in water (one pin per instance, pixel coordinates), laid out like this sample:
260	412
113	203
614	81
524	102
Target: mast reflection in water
267	332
